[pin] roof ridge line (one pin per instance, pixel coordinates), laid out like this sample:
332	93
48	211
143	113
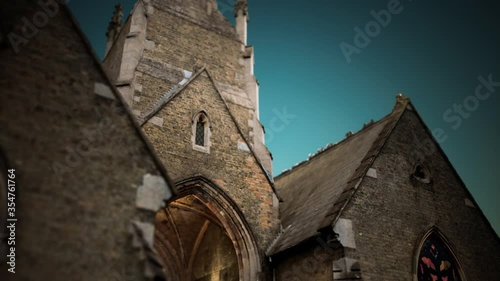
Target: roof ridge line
169	95
400	107
400	98
335	208
331	146
250	147
271	247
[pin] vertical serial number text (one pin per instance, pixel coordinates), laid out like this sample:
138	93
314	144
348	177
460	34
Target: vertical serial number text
11	220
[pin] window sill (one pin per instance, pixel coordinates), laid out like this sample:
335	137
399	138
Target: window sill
201	149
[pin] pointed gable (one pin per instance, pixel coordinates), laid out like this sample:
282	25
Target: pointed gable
230	161
176	90
84	169
315	192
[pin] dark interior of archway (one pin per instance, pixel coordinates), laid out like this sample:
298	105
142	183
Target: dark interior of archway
193	243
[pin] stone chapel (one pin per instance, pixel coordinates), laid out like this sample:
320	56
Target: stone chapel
152	165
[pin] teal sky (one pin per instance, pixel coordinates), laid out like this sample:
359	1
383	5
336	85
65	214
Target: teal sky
432	51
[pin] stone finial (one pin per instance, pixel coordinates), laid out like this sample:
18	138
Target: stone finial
116	22
401	103
114	27
241	15
241	5
402	98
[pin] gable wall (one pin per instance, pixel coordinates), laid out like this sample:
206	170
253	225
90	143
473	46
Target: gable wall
71	222
391	213
234	170
308	261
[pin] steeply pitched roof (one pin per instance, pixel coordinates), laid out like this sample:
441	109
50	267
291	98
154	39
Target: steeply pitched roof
316	191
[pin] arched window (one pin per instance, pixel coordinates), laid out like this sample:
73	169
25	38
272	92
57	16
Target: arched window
201	132
436	261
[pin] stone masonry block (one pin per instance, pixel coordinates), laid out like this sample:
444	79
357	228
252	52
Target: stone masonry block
152	193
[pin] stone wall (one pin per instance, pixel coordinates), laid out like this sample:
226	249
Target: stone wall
393	211
308	261
181	37
382	227
229	163
202	13
78	157
174	40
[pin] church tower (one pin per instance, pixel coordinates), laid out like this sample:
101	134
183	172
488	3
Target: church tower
188	75
114	27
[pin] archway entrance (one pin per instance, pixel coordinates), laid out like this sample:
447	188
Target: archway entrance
203	236
202	247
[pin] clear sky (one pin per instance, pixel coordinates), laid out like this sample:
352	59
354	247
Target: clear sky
432	51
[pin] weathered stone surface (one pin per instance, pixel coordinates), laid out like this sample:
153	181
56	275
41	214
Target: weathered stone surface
389	212
392	213
372	173
171	53
78	158
103	90
156	121
469	203
152	193
243	146
346	269
309	261
343	228
234	170
80	166
145	232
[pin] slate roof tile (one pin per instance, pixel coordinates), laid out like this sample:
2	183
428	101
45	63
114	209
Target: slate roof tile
315	191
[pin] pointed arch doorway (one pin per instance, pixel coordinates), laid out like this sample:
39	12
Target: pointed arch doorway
202	235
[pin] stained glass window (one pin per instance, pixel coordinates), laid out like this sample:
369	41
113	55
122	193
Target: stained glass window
435	262
200	132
